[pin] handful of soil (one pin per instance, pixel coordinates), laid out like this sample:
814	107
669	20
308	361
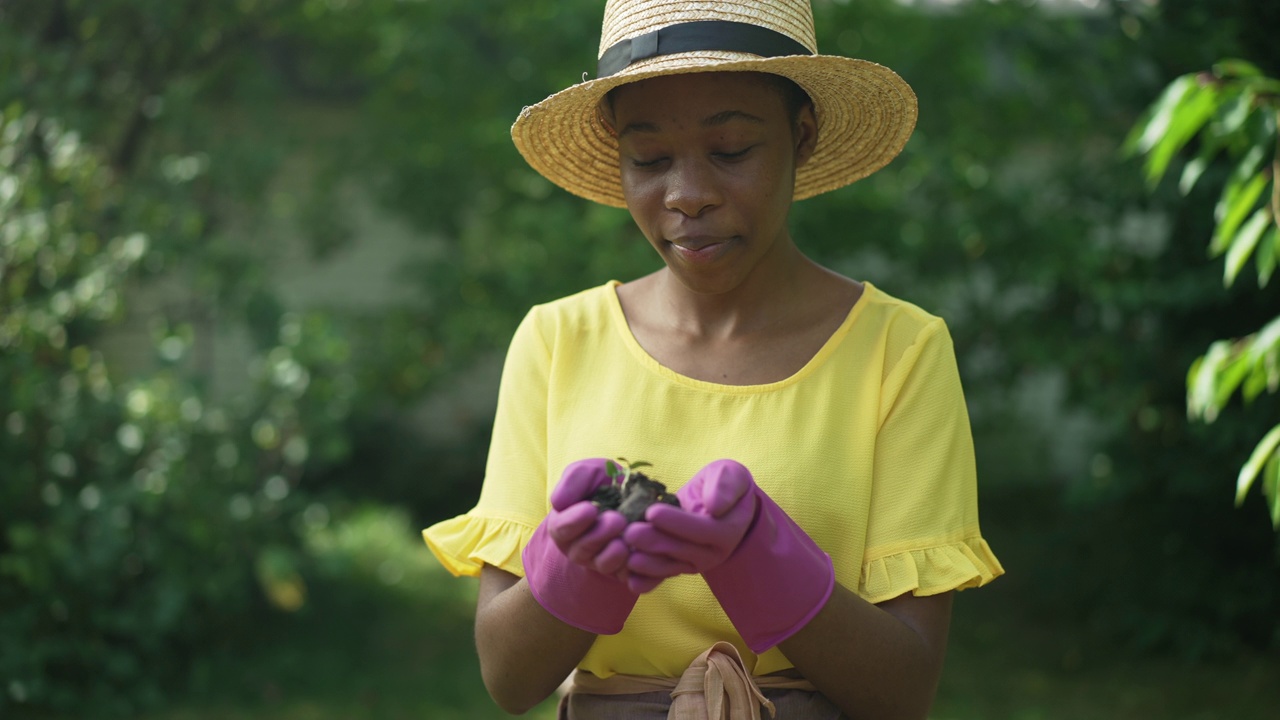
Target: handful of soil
632	494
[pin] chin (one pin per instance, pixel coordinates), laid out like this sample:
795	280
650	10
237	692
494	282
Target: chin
705	283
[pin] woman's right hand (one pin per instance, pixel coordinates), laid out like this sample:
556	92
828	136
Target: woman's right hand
585	534
575	561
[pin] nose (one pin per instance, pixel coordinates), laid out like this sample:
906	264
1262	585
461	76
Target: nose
692	188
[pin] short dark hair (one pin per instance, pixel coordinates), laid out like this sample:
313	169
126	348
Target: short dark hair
794	98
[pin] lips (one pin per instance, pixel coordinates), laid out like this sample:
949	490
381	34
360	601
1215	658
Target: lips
696	243
700	249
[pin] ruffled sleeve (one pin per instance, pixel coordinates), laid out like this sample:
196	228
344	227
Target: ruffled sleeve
959	565
922	529
513	497
468	542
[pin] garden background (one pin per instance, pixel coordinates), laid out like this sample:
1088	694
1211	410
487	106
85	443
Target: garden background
259	261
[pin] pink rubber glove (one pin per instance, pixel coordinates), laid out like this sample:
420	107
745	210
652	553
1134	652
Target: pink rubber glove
768	574
573	559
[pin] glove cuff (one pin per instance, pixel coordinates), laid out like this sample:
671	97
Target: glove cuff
576	595
775	581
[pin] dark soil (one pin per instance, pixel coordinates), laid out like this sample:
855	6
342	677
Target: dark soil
634	497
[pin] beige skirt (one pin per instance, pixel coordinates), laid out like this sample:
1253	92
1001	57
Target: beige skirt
716	686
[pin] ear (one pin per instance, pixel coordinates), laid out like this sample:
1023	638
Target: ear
805	133
604	115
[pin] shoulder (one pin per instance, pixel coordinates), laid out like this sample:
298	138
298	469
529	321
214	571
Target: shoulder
901	329
891	309
569	318
581	306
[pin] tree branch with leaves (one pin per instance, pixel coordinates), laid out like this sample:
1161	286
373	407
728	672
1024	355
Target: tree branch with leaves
1232	111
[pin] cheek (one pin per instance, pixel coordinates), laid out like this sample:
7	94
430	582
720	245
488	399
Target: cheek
637	185
641	209
643	197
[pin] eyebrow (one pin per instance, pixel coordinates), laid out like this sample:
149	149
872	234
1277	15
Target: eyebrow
719	118
727	115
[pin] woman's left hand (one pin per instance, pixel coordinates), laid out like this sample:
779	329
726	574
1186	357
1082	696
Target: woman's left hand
769	576
716	508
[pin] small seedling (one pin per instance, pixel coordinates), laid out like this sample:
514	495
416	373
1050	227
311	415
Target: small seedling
630	492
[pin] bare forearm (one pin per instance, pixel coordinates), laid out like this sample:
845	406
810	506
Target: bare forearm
525	652
874	661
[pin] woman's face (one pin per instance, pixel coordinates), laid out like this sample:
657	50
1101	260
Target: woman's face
708	165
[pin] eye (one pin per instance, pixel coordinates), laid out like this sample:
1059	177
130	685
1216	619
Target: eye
637	162
737	155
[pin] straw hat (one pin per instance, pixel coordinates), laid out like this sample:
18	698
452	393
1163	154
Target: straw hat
865	112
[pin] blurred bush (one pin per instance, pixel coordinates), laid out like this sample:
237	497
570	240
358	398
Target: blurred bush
135	514
141	517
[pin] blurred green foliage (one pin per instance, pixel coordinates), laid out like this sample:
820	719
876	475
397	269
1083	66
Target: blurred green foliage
1234	111
133	510
145	141
139	517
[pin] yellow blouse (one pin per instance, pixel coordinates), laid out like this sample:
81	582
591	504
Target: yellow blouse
867	447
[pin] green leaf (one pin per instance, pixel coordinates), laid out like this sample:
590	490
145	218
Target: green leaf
1253	158
640	464
1244	243
1195	168
1263	350
1262	85
1267	256
1255	383
1262	453
1266	340
1184	122
1271	491
1230	376
611	469
1234	205
1202	381
1156	120
1234	67
1234	111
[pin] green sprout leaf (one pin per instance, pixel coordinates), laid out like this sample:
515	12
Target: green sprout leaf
621	471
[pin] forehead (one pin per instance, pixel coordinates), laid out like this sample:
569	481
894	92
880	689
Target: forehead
694	92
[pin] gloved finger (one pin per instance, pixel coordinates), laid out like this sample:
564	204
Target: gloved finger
644	537
641	584
698	528
566	526
724	482
642	563
578	482
609	525
612	558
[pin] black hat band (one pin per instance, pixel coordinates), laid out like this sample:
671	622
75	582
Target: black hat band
722	35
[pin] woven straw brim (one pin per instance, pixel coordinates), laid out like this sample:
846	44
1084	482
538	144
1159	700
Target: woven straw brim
865	115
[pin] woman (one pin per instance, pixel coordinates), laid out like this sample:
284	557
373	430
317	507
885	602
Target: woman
812	427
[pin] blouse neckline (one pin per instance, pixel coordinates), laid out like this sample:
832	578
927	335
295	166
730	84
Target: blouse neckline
619	319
